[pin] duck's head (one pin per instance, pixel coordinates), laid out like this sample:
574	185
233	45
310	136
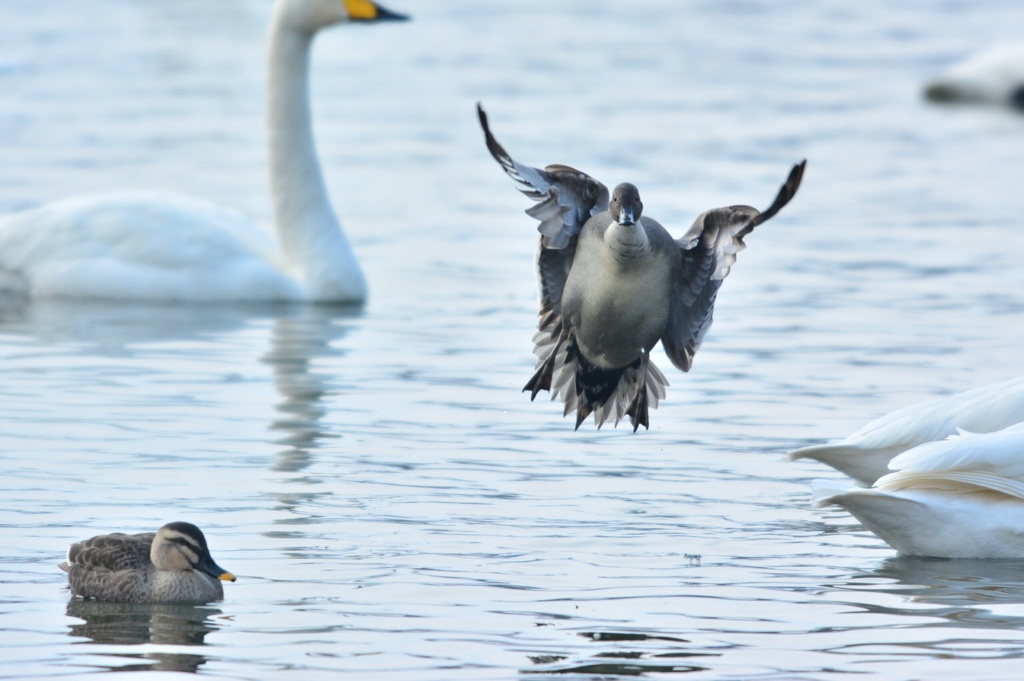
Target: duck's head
626	207
311	15
182	546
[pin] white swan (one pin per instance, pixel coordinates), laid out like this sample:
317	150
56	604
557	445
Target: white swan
153	246
957	498
865	455
995	76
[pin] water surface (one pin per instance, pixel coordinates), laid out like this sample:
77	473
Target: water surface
393	505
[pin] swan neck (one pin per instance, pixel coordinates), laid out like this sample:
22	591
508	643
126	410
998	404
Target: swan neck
309	234
296	181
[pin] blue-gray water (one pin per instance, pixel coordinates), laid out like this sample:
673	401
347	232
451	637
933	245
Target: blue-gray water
393	505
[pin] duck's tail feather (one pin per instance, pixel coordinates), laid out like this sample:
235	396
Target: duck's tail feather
608	394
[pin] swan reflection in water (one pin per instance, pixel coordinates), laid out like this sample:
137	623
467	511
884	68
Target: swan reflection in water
140	623
297	340
299	336
968	592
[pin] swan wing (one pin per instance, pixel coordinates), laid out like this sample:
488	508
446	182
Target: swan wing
1000	453
963	481
982	410
865	454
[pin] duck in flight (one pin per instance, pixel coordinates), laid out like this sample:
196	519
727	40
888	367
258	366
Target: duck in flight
613	282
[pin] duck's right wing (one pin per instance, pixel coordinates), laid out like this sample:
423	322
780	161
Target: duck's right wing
566	198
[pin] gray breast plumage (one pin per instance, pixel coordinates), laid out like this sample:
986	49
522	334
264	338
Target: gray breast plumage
617	295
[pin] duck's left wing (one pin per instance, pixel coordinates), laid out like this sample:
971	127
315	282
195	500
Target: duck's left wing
707	252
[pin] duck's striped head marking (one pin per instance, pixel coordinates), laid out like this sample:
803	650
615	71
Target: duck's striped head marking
182	546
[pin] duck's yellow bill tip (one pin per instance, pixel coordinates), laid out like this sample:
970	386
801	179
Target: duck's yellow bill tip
226	577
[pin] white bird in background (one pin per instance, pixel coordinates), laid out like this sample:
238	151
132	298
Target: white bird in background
995	76
613	282
865	455
962	497
163	247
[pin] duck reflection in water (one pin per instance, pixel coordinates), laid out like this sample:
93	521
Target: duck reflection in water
139	623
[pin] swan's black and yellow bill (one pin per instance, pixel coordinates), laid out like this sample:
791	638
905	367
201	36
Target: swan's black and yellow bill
365	10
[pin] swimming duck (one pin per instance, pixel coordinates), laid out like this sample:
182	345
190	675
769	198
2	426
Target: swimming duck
172	565
994	76
865	455
155	246
613	282
962	497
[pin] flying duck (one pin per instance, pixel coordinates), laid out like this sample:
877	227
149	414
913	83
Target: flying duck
613	282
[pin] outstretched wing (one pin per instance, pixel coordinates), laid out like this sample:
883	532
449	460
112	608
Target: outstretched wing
707	252
566	199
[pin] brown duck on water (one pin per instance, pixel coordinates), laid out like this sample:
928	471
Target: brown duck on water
172	565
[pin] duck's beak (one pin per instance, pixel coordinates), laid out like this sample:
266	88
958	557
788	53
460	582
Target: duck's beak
207	566
626	215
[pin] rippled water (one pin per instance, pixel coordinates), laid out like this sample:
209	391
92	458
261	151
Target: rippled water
393	506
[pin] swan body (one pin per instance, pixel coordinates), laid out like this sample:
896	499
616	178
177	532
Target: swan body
613	283
865	454
172	565
962	497
156	261
995	76
161	247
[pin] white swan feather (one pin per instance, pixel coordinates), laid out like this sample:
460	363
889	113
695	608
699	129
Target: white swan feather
962	497
994	76
865	454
